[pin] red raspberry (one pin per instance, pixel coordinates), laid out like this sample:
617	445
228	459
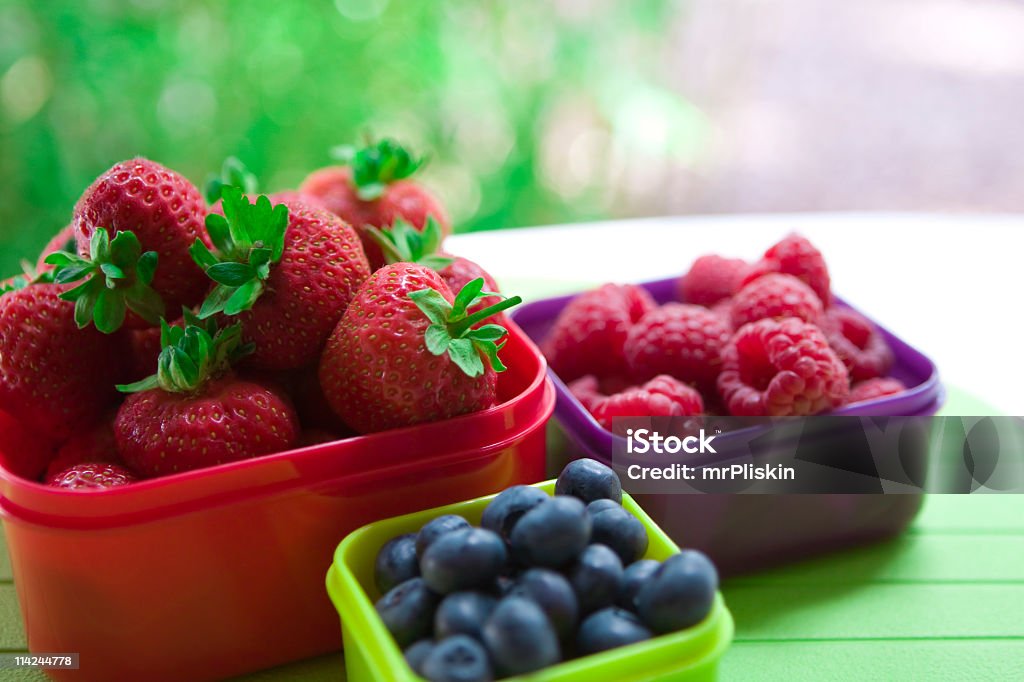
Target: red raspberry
724	310
872	389
587	390
588	336
795	256
712	278
681	340
779	368
774	296
662	396
93	477
858	343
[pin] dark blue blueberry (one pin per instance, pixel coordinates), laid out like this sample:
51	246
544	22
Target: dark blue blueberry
408	611
601	505
551	534
553	594
417	653
396	562
463	613
589	480
679	594
610	628
520	637
435	528
595	577
465	559
505	510
621	531
458	659
634	577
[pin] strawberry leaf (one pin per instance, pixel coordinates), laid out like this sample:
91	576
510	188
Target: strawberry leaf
452	331
403	243
233	173
377	165
248	240
192	356
117	278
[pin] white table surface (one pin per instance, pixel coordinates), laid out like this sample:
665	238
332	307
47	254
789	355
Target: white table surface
951	285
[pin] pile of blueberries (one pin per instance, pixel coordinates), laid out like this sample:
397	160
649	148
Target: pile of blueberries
545	579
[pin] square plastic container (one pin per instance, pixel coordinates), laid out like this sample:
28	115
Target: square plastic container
371	654
217	572
748	532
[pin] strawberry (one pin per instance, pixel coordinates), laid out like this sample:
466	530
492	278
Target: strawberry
371	188
287	271
92	476
407	352
402	243
195	412
95	446
137	206
22	453
54	378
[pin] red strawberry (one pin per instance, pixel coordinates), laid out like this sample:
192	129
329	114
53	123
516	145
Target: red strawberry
95	445
144	349
287	271
373	191
712	278
54	378
62	241
136	206
22	453
589	334
92	476
796	256
406	352
196	413
678	339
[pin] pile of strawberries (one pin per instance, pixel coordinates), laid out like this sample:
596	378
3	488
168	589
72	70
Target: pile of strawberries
163	331
747	339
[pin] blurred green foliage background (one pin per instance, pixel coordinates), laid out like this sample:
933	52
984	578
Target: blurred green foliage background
490	91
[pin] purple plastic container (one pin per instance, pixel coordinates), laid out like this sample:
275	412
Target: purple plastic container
748	532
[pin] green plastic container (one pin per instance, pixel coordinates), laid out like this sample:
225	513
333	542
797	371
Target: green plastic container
371	654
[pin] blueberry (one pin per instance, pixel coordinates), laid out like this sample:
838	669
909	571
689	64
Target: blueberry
679	594
505	510
634	577
553	594
589	480
595	577
600	505
463	560
463	613
436	528
551	534
396	562
417	653
621	531
408	611
520	637
610	628
458	659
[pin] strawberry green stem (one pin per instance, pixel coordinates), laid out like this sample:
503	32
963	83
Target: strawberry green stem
460	328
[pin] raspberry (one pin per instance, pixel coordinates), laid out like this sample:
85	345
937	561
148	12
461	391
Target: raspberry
712	278
662	396
681	340
779	368
858	343
588	336
774	296
724	310
795	256
587	390
873	389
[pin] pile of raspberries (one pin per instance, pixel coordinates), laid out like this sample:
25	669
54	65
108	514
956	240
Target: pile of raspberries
744	339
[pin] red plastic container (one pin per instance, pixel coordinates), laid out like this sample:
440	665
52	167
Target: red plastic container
218	572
